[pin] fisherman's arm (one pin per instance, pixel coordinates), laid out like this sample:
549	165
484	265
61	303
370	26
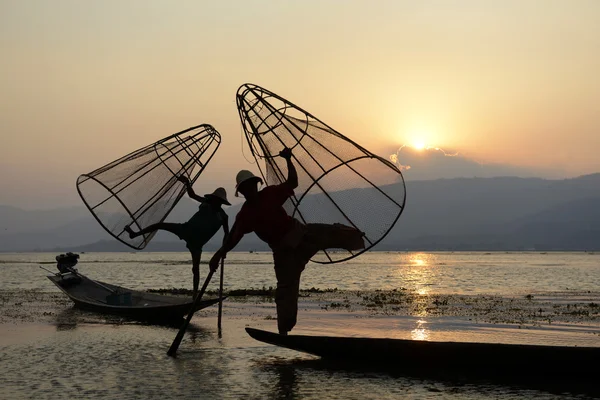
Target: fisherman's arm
190	190
292	179
225	227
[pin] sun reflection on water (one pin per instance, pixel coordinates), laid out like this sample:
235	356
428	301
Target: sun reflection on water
421	259
418	261
420	272
420	332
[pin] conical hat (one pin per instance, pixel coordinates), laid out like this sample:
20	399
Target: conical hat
220	194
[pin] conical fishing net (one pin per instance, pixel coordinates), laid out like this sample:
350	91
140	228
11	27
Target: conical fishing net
141	188
339	181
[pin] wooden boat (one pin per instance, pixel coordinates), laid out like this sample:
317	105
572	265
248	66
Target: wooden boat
425	357
112	299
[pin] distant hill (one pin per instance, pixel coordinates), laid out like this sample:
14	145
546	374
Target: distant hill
504	213
249	243
14	220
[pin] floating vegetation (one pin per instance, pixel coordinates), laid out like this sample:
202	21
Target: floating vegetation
441	302
340	305
262	292
521	311
565	307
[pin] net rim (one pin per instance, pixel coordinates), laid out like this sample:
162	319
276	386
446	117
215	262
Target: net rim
262	95
144	242
381	237
206	130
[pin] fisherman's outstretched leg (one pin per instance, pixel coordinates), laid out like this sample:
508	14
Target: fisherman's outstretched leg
334	236
165	226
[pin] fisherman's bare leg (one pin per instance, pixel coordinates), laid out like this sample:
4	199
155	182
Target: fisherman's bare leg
165	226
289	265
196	269
287	271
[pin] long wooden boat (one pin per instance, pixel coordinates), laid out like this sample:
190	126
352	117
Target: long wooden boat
485	359
112	299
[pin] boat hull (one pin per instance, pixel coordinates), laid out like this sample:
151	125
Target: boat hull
106	298
485	359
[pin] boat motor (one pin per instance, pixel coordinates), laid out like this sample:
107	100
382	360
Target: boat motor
66	262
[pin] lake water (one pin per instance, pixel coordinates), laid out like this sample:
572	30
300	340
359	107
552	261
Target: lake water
441	273
50	350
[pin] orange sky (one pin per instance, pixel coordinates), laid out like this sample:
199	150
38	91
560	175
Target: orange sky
82	83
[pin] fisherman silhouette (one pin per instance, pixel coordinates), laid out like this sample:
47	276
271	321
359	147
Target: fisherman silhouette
292	242
199	229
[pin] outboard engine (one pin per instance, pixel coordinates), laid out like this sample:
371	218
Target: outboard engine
66	262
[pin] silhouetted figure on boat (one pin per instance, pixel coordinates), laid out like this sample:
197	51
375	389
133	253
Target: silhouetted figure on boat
292	242
196	232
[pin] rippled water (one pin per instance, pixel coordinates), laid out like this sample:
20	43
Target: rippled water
468	273
107	362
49	350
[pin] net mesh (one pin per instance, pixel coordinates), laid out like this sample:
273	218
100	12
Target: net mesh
338	180
141	188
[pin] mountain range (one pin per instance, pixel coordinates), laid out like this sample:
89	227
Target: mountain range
503	213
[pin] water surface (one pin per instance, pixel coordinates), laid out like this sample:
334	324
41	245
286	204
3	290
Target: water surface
49	350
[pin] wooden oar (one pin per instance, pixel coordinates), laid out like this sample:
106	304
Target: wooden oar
221	297
175	345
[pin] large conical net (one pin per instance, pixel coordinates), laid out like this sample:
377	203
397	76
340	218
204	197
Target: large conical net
141	188
339	181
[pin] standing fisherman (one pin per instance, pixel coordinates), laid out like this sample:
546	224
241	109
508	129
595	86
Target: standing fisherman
292	242
199	229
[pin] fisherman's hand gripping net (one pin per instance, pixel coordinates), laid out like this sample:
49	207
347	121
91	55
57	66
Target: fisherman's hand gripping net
339	181
141	188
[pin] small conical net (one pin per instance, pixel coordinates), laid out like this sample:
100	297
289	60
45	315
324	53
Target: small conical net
141	188
339	180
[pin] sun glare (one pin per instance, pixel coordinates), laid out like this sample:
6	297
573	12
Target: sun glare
419	145
420	332
419	137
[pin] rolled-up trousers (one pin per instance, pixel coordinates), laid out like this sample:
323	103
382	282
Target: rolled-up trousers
291	257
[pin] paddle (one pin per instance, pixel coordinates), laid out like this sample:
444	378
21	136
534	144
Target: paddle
175	345
221	297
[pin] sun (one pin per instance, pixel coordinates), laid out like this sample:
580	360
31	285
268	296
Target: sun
419	138
419	144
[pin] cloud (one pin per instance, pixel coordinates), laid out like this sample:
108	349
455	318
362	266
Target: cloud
424	153
435	163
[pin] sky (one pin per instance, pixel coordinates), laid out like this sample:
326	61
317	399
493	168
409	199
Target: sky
507	84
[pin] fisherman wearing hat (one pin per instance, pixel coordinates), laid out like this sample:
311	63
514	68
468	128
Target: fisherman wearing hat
203	225
292	242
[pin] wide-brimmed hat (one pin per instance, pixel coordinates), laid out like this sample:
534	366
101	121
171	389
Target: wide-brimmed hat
219	194
243	176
